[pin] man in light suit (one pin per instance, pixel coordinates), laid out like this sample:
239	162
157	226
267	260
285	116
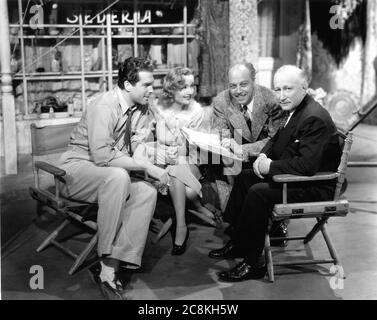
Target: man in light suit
307	144
99	163
246	115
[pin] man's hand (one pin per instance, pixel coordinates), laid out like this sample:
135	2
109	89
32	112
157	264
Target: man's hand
264	165
226	142
158	173
235	147
261	166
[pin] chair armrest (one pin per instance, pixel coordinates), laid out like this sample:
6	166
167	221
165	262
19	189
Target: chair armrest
57	172
284	178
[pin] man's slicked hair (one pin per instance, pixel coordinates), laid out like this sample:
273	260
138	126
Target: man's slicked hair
129	70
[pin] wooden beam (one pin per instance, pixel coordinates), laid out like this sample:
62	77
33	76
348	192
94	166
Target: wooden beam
8	104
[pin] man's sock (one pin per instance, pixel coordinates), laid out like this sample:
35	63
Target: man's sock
107	275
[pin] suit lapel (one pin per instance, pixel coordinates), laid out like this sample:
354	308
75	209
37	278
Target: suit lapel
238	121
285	134
259	114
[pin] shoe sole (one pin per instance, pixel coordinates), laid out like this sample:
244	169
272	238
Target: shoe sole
244	279
226	258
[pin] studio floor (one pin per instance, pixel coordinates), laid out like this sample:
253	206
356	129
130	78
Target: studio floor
193	275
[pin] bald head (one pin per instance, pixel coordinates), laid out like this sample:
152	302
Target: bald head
293	72
290	85
243	67
241	82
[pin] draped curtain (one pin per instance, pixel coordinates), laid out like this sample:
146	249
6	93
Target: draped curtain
369	83
304	51
214	46
269	20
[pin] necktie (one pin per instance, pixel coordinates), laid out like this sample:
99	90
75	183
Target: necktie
246	115
288	117
127	131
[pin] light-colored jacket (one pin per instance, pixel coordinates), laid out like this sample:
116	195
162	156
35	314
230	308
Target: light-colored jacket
228	119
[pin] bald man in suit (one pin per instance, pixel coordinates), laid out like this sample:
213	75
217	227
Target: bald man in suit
247	116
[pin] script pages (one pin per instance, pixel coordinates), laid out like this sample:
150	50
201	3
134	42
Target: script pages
207	141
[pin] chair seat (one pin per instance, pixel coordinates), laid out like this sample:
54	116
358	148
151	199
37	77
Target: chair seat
47	197
78	210
310	209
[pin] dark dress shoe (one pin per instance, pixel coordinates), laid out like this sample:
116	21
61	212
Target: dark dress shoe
279	229
241	272
179	249
110	291
229	251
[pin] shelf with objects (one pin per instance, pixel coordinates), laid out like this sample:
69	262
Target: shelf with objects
64	53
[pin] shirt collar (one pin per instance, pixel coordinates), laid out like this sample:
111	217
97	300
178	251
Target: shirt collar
122	101
251	105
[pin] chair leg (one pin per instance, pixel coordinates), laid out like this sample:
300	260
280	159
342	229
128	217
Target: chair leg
332	251
202	216
84	254
52	236
317	227
164	229
268	257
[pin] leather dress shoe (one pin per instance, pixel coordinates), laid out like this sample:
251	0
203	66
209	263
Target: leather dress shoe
241	272
229	251
110	291
279	229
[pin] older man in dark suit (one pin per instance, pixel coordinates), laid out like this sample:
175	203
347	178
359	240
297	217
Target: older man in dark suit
306	144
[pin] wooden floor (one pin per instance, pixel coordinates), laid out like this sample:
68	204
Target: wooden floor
193	275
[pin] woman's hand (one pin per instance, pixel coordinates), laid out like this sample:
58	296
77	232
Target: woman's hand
226	143
172	154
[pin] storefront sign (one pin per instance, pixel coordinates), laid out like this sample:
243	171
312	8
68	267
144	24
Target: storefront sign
117	17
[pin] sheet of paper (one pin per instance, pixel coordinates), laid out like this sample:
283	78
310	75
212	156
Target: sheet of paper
207	141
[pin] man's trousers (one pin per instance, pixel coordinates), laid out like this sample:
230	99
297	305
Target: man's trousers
250	205
125	208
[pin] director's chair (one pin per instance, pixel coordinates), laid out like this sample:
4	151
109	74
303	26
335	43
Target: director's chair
320	210
48	143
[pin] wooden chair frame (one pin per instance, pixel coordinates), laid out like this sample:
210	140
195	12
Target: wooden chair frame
321	211
75	212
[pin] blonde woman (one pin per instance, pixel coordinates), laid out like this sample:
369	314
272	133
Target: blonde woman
176	109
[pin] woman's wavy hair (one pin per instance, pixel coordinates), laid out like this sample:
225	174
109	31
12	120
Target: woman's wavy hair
173	81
